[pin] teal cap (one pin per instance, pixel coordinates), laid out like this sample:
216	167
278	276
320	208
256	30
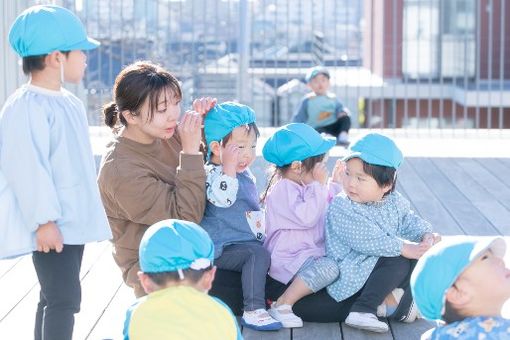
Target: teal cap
438	269
315	71
295	142
376	149
174	245
225	117
43	29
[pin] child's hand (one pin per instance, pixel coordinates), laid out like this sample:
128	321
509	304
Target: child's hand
204	104
412	250
229	156
190	131
320	173
48	237
338	172
430	238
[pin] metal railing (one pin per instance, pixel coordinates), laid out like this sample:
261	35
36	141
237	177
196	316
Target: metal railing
394	63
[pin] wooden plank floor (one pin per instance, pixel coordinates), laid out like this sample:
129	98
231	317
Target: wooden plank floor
457	195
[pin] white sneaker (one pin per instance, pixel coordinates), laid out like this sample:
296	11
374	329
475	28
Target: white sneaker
366	321
285	315
260	320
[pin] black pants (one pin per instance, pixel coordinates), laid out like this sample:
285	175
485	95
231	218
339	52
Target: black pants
318	307
389	273
60	297
342	124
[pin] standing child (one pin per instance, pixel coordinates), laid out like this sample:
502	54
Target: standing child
464	282
374	236
232	210
176	262
296	201
321	109
47	160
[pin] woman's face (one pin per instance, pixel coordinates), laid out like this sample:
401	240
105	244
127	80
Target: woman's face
164	119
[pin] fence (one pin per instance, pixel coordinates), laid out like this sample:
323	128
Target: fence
394	63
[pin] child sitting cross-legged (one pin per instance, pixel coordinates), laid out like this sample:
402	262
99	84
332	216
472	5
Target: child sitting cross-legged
176	262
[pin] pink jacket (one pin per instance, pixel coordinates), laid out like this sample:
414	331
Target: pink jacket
295	220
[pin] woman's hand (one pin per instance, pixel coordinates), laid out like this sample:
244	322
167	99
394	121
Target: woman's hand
204	104
190	131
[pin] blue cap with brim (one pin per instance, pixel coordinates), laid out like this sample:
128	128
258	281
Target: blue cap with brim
43	29
223	118
376	149
438	269
173	245
315	71
295	142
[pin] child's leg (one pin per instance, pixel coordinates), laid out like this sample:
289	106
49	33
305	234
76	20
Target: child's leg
252	260
388	274
314	275
60	297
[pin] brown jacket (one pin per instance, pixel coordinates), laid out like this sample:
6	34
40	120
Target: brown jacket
142	184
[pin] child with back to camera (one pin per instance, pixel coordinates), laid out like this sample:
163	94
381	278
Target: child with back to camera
47	161
374	236
232	214
296	201
464	283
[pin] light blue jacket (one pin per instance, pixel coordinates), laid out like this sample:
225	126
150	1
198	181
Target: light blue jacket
47	161
319	111
357	234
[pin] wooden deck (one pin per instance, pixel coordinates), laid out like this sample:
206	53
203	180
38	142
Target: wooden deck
457	195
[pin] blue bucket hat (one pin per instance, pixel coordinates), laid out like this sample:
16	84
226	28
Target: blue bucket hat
376	149
43	29
295	142
315	71
173	245
225	117
438	269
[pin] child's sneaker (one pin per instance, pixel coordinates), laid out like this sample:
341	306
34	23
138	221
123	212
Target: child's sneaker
406	310
342	139
366	321
285	315
260	320
383	311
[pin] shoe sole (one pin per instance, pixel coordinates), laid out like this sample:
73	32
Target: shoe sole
292	324
368	328
270	327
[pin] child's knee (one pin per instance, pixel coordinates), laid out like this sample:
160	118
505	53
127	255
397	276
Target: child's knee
330	269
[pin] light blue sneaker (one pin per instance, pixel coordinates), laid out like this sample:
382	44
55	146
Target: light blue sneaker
260	320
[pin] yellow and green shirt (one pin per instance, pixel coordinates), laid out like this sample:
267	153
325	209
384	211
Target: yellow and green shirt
180	312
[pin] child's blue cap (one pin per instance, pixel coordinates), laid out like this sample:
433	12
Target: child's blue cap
295	142
173	245
376	149
438	269
315	71
40	30
225	117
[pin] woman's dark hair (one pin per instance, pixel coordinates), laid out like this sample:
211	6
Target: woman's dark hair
383	175
133	85
277	171
451	314
189	274
36	62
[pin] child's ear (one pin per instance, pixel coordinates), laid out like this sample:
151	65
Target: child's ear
146	282
207	279
295	166
215	148
457	297
53	59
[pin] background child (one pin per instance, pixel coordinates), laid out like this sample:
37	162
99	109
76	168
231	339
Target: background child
374	235
47	160
176	262
296	201
321	109
233	206
464	282
152	169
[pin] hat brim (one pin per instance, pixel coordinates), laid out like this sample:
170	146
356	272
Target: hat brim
496	245
84	45
326	145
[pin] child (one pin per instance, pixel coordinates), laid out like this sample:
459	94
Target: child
374	236
464	282
321	109
153	169
232	212
47	160
296	201
176	262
